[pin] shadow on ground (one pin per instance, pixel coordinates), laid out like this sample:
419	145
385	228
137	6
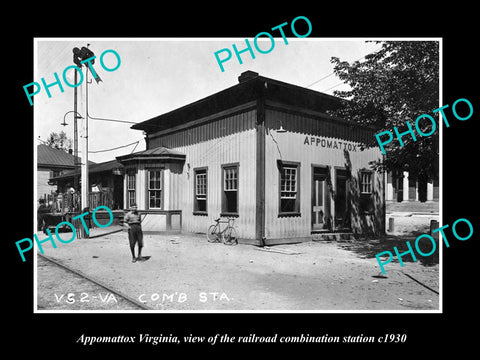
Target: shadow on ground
368	248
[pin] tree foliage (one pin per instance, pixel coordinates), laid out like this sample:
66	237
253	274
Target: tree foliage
392	86
59	141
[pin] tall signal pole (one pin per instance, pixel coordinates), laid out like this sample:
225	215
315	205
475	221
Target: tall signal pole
84	170
77	61
80	56
75	135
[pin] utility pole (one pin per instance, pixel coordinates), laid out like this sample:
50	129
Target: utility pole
79	57
75	135
84	170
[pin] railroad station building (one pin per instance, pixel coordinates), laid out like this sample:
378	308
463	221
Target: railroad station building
264	152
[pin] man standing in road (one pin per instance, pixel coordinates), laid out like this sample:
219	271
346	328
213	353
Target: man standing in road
135	235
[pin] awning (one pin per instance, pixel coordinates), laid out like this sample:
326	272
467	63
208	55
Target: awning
159	154
112	166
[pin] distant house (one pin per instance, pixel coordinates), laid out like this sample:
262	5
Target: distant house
51	162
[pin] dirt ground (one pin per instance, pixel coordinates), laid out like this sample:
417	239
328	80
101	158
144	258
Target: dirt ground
63	290
185	272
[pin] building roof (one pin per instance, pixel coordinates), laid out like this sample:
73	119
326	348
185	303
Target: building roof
251	87
159	153
51	157
109	166
56	158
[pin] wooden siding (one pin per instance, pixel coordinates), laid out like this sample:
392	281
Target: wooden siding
43	175
173	173
295	122
206	131
223	141
154	222
291	146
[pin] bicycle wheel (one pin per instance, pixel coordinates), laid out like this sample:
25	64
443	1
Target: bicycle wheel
230	237
212	234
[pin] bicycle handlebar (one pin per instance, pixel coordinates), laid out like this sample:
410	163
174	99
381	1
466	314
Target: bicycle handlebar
229	218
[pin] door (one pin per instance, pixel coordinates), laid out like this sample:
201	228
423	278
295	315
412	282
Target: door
117	192
342	207
320	199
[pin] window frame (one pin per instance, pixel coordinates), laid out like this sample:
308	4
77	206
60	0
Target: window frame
161	189
224	211
196	172
366	205
131	173
54	173
362	183
281	165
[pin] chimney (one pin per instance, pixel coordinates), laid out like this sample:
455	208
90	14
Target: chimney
247	75
70	151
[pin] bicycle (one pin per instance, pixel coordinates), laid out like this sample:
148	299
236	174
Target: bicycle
227	235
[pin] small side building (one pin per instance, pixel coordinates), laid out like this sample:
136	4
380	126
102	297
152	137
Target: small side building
51	162
105	184
264	152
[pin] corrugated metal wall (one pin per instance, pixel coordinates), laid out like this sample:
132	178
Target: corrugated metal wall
301	124
231	139
291	146
208	131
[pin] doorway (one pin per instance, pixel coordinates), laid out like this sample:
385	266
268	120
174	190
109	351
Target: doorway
320	199
342	204
117	192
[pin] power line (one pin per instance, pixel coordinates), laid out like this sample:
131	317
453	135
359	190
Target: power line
323	78
115	148
333	72
334	86
99	151
113	120
134	147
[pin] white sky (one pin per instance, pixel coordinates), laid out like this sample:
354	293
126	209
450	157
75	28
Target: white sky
160	75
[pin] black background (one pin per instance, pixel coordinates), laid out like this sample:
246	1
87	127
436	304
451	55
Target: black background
429	334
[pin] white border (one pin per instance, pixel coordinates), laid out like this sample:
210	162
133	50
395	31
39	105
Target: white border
436	311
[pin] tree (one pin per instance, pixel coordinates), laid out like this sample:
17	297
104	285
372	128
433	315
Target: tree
392	86
59	141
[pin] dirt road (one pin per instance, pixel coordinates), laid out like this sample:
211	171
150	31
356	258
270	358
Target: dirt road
185	272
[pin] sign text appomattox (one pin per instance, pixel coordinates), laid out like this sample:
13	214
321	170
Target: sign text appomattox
329	143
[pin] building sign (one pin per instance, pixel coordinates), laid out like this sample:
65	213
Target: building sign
329	143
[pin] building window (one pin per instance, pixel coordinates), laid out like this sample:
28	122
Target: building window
55	173
230	189
155	189
289	188
366	182
200	191
366	189
131	189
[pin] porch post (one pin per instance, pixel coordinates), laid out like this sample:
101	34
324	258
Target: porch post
405	186
166	188
430	190
416	190
388	181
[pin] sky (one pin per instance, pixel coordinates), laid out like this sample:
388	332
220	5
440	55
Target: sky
157	75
